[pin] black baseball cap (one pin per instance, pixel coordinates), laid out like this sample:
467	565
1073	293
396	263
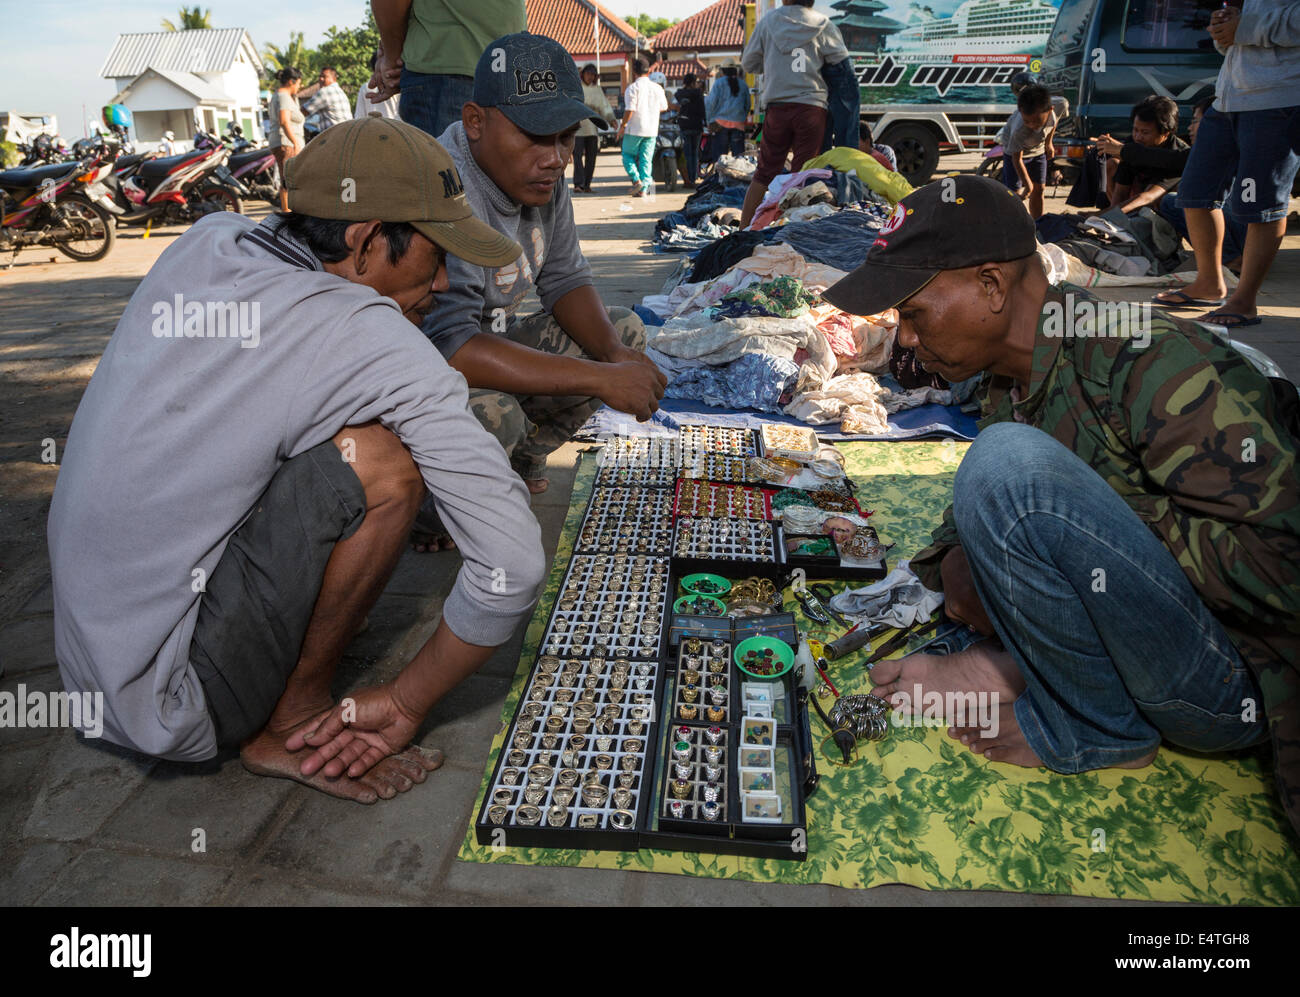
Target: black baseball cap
533	81
949	224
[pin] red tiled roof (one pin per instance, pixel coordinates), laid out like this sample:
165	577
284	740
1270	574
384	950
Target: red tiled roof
717	26
569	23
676	69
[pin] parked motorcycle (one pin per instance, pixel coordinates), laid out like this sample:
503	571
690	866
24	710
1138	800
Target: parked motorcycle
253	167
668	146
64	205
180	188
43	150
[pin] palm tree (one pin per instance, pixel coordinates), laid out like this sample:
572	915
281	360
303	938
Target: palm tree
294	54
190	19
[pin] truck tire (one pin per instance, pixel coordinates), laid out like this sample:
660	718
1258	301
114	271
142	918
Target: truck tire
917	149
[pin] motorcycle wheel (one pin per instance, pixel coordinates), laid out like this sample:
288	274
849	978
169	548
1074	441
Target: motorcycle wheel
93	225
670	174
221	199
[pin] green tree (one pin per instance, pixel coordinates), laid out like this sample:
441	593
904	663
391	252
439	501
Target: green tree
190	19
349	50
651	26
295	54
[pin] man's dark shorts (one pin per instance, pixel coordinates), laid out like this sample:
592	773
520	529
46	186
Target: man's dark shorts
1252	154
259	599
786	127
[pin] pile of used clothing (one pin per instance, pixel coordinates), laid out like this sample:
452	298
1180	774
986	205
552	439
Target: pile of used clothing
746	326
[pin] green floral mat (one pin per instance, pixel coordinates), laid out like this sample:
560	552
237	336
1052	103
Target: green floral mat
919	808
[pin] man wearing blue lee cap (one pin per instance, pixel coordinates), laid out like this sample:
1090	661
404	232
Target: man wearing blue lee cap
535	379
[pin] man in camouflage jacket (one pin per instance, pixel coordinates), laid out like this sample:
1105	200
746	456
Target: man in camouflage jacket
1126	527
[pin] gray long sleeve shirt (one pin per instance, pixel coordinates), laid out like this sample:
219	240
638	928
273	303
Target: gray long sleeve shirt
485	299
178	435
1261	68
789	46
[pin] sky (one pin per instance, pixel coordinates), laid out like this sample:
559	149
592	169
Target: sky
55	48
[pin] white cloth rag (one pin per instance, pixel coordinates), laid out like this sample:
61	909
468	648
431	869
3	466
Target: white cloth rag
897	600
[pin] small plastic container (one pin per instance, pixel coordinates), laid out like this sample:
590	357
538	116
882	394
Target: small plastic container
782	657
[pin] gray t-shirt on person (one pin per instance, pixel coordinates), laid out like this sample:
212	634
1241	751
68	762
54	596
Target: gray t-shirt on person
552	257
178	435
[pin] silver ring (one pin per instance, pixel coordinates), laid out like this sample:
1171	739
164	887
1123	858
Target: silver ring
528	816
622	798
557	816
682	751
683	770
534	794
497	814
711	792
711	811
623	820
510	776
715	735
713	754
713	773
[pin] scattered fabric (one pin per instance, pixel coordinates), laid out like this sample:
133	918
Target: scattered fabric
807	212
841	239
784	297
729	339
897	600
725	254
820	400
647	316
893	186
755	380
782	259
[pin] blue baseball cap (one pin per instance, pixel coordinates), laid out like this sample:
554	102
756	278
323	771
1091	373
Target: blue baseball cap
533	81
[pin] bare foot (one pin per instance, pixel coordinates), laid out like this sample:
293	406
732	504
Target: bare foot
978	668
537	485
430	543
266	755
1006	742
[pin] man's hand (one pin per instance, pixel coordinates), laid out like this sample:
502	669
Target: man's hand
960	600
385	81
1223	25
633	385
1108	145
366	727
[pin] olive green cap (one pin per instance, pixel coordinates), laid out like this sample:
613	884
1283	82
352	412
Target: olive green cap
382	168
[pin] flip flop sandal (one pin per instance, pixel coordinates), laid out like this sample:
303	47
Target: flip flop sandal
1184	301
1238	321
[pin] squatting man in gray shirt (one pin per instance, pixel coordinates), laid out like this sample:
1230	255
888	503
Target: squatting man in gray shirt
533	380
247	461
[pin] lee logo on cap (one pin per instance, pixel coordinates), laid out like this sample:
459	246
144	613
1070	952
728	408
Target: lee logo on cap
535	82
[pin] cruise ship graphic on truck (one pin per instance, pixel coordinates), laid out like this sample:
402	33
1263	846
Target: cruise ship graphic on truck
976	28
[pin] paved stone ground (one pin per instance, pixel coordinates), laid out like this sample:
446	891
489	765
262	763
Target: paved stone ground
84	823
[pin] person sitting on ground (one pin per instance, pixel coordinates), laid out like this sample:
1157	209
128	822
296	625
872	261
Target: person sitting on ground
208	576
882	154
533	381
789	47
726	110
1169	208
1148	166
1028	149
1142	577
643	101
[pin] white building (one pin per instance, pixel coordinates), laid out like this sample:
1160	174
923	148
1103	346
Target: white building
179	80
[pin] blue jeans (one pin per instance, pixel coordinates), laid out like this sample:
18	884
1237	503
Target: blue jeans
843	105
691	149
729	141
638	154
1108	673
1234	231
1254	153
432	101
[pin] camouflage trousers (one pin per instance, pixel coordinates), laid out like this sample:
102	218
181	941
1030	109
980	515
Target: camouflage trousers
530	427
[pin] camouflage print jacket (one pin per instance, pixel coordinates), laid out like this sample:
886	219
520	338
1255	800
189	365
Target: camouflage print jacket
1203	448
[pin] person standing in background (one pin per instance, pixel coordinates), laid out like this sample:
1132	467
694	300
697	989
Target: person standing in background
644	101
167	147
587	142
789	47
285	135
1249	141
843	104
690	120
726	109
429	50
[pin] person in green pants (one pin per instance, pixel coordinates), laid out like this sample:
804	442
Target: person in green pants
643	102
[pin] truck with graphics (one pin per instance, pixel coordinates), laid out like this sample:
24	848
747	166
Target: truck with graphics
935	75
